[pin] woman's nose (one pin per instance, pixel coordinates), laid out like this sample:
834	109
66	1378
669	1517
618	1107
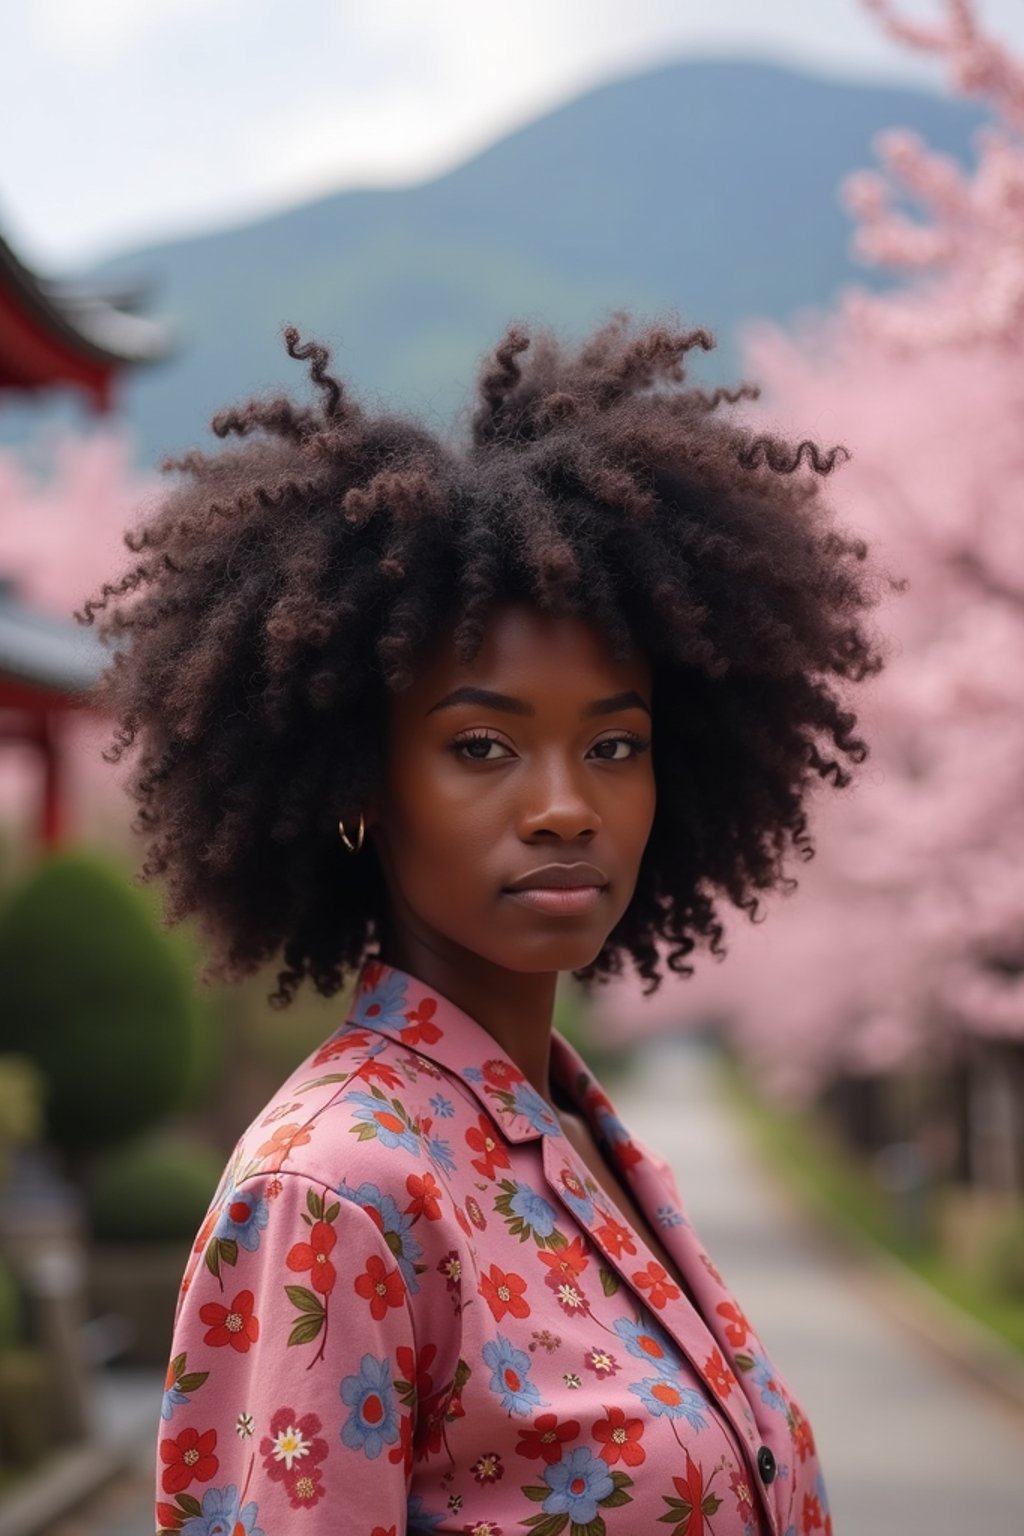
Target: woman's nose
555	804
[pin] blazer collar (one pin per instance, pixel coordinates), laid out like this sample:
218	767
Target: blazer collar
390	1002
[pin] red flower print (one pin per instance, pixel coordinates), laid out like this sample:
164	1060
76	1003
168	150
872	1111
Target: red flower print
383	1071
696	1496
292	1453
315	1256
209	1222
744	1497
655	1280
546	1438
188	1459
615	1237
481	1528
421	1029
566	1263
370	975
283	1142
353	1041
476	1215
499	1073
600	1362
800	1430
488	1468
811	1516
719	1374
234	1325
379	1530
460	1217
451	1267
484	1138
380	1287
619	1438
570	1298
274	1188
738	1328
417	1372
503	1292
425	1195
402	1452
626	1154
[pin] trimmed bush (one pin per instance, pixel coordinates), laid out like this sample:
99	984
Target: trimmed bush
153	1191
96	996
10	1310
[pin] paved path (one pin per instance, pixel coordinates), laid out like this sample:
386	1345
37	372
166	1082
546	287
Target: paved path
909	1447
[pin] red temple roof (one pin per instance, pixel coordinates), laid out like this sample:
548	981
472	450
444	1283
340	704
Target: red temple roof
56	333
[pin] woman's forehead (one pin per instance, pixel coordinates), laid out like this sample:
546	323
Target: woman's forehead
531	655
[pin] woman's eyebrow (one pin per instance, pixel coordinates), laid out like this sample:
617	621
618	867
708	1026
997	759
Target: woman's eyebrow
488	699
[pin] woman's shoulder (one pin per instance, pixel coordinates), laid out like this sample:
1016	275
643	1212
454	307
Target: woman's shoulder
360	1108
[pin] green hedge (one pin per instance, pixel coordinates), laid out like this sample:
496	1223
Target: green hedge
152	1191
96	995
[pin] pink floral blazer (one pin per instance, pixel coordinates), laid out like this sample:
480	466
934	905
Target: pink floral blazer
412	1308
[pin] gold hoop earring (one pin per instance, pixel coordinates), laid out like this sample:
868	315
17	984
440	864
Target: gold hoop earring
353	847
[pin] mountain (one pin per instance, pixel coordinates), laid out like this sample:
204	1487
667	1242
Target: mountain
704	188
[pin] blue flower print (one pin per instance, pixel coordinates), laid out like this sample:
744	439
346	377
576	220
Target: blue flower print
419	1522
611	1127
440	1153
532	1208
577	1482
243	1215
172	1398
472	1074
526	1101
576	1197
373	1422
443	1108
668	1216
221	1516
394	1227
383	1006
647	1342
763	1377
665	1398
510	1378
380	1113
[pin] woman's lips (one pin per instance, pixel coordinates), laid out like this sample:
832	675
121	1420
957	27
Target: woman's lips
564	901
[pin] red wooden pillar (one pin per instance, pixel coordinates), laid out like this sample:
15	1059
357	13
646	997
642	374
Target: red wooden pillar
51	821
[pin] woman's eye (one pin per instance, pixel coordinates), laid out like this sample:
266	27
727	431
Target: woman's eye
478	748
609	749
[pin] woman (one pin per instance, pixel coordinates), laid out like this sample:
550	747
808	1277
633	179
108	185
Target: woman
466	720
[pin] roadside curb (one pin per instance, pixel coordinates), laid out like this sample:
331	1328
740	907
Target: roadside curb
61	1483
923	1312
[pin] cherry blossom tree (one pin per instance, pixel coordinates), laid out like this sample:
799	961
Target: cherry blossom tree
906	934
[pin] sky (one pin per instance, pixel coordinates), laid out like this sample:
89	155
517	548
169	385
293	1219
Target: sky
128	121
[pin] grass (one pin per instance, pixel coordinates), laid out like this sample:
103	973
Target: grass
800	1147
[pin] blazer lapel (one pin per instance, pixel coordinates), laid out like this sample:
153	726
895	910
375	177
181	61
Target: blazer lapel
700	1333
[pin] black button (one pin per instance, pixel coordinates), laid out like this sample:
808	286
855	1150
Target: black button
766	1465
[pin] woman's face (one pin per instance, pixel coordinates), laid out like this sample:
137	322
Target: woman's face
518	794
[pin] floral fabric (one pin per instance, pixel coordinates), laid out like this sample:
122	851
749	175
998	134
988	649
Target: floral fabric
412	1308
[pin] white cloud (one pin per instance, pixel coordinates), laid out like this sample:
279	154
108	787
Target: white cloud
138	118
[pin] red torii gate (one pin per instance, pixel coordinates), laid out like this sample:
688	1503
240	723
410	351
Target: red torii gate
57	335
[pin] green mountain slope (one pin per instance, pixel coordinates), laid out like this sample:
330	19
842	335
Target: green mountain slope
702	188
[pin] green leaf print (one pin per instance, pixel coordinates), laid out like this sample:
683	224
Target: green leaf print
305	1300
306	1329
609	1280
